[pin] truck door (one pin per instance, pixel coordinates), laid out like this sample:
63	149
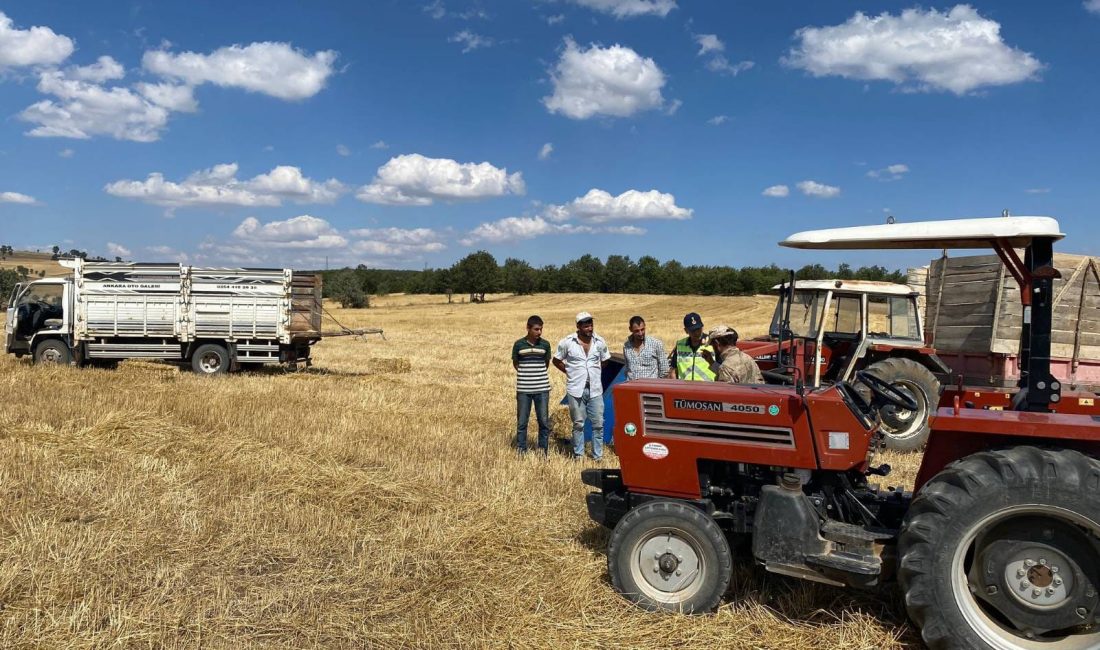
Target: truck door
12	320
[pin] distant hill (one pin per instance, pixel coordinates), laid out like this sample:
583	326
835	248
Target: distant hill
36	262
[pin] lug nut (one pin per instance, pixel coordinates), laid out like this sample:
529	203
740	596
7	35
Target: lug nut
1053	569
1035	593
1057	582
1020	573
1082	612
1043	561
1050	591
991	589
1029	563
1024	584
678	572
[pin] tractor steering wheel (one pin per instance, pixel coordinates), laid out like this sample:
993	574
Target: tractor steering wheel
886	391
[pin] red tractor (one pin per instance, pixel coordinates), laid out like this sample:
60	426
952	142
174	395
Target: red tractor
854	325
997	547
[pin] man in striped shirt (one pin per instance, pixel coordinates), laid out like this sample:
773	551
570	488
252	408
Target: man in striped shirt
530	358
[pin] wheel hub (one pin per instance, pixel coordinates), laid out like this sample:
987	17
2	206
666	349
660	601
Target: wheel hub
668	563
1037	580
900	420
51	355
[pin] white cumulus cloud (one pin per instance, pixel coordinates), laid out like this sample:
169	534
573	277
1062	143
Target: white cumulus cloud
957	51
614	81
118	249
889	173
709	43
219	186
471	41
396	242
84	109
629	8
546	150
16	197
276	69
34	46
381	144
722	65
718	120
302	232
598	206
512	229
1092	6
413	179
777	191
819	190
343	150
104	69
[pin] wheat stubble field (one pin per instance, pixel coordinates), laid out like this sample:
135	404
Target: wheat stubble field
372	501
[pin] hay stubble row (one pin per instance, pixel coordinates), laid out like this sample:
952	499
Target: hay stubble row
372	501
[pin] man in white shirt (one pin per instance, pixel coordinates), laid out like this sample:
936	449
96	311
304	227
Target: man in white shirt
581	357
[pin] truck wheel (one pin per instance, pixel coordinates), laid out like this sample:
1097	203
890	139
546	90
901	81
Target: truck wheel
905	430
668	555
210	359
52	352
1001	550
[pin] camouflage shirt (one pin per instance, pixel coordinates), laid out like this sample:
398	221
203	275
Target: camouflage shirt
738	368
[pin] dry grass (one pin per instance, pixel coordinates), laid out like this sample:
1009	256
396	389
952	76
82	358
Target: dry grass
373	501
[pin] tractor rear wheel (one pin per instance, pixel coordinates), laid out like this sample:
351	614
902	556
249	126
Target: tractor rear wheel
669	555
1001	550
902	429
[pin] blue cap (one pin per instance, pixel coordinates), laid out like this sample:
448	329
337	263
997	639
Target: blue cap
693	322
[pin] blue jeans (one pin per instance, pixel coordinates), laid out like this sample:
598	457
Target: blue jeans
591	408
523	411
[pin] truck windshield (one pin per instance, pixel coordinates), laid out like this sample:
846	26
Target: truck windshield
15	294
50	294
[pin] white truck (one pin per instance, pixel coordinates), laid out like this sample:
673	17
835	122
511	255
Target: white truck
215	319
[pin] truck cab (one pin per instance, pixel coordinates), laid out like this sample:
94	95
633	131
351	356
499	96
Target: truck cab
38	311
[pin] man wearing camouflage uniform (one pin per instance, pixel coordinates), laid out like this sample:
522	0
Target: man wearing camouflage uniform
733	366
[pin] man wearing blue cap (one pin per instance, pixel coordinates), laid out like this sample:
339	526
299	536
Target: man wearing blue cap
692	357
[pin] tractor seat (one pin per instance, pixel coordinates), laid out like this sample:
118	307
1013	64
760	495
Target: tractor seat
53	323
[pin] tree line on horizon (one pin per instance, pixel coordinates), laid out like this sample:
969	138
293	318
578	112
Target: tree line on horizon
479	273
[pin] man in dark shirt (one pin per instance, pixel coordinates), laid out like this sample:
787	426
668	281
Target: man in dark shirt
530	358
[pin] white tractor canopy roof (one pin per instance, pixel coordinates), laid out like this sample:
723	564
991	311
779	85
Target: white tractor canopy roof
852	286
1016	232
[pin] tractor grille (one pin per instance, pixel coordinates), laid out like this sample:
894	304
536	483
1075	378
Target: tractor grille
656	424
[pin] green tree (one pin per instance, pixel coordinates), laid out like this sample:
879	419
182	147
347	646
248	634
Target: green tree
476	274
518	277
346	287
618	274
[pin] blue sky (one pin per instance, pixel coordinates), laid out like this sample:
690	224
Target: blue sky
401	133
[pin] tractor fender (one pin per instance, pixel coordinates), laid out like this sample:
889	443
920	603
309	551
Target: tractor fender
927	357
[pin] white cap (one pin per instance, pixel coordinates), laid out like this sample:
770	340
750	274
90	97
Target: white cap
584	316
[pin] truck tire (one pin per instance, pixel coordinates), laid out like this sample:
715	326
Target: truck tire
668	555
52	352
210	359
1002	550
907	430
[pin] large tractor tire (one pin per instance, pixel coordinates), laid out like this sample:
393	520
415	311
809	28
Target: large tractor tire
52	352
1001	550
668	555
905	430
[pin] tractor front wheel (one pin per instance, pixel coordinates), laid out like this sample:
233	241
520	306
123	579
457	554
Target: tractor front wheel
906	430
1001	550
669	555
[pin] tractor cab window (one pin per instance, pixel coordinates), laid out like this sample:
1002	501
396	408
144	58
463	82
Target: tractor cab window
844	315
805	313
892	317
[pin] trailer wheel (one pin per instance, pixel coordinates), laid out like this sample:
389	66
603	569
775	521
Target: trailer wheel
902	429
52	352
1001	550
668	555
210	359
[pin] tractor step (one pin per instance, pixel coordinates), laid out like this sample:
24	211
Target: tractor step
850	534
846	562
